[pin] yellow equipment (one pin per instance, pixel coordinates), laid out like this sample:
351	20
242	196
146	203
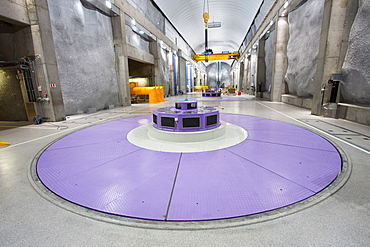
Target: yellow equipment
5	143
156	94
216	56
205	17
201	88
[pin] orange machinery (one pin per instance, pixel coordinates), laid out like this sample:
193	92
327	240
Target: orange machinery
201	88
156	94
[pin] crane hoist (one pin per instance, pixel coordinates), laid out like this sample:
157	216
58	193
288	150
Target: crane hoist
206	19
208	54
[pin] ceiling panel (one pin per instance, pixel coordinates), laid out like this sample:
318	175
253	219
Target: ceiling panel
235	16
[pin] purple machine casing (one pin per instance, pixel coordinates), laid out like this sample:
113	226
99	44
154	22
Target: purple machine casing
186	117
211	94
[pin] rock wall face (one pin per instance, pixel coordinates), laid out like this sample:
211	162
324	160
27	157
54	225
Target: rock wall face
303	47
85	56
356	66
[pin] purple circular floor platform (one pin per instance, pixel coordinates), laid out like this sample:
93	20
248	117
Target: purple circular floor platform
277	165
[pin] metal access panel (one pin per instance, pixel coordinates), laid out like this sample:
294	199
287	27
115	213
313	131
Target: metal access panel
211	120
191	122
168	122
192	105
154	118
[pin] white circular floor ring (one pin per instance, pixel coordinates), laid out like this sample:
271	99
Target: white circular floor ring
148	137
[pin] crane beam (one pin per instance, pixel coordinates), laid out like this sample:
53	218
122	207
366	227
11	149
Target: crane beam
216	56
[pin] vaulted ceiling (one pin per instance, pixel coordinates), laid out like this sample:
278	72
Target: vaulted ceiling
235	16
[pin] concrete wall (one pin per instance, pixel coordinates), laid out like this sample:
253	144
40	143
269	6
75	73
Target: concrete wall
354	113
356	67
11	100
163	70
85	56
181	79
7	41
138	69
269	59
303	48
163	76
15	42
146	8
263	11
135	40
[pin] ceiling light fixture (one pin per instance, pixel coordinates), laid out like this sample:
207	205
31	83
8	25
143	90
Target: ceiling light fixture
108	4
214	24
105	6
285	4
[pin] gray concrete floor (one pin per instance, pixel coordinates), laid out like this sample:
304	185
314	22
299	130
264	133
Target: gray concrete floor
29	219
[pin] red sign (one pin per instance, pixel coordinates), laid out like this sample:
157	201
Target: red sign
53	85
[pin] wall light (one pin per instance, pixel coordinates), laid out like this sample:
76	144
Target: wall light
108	4
285	5
162	45
105	6
285	9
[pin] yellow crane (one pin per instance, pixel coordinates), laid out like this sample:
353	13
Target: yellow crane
216	56
208	54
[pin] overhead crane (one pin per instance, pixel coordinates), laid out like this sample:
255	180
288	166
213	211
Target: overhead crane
216	56
208	54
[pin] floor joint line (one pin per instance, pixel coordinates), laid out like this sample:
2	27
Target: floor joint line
173	188
318	129
277	174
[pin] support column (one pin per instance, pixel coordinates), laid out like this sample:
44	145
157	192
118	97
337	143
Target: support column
333	44
120	49
253	70
246	74
261	68
154	50
197	74
181	82
241	76
280	61
170	72
43	45
236	75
